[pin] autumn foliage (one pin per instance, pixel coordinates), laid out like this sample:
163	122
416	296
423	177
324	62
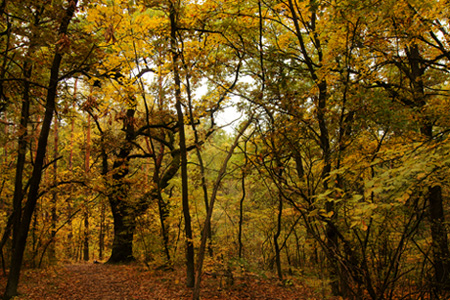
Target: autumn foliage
225	149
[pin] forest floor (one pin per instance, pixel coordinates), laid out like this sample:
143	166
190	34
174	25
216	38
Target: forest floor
126	282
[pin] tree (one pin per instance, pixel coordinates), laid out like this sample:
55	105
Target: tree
22	222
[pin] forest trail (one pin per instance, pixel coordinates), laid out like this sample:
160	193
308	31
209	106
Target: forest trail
126	282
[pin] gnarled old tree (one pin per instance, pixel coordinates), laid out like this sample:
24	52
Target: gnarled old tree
126	149
149	120
126	210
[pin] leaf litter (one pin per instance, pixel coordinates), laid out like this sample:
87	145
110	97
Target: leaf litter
134	281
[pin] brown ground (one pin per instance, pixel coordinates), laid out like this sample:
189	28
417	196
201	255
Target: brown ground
112	282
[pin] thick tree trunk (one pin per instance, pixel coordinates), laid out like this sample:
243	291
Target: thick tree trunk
163	215
439	244
21	154
124	227
439	240
332	241
124	214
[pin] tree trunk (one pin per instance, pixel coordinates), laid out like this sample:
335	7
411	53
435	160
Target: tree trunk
190	268
105	167
124	214
163	215
87	159
241	211
70	246
86	235
275	239
332	242
21	156
101	234
21	152
124	227
439	244
162	181
54	212
200	159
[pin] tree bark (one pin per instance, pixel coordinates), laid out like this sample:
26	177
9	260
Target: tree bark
124	227
124	214
241	210
275	239
86	234
163	215
101	234
439	244
21	155
54	212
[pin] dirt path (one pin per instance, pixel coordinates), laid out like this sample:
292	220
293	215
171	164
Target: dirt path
110	282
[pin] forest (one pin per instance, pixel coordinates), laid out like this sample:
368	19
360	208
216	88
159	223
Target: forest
306	139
